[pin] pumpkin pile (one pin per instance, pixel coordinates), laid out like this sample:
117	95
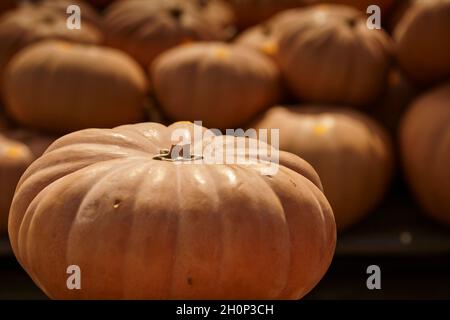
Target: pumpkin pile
90	167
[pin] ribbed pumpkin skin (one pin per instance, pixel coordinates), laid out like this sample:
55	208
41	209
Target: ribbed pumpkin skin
31	23
141	228
73	86
14	159
425	147
264	37
144	29
423	41
351	154
328	55
219	84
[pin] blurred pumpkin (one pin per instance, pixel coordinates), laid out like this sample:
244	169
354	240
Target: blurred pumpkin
167	226
425	146
220	84
423	41
264	37
73	86
385	5
219	14
31	23
350	152
392	103
252	12
144	29
328	55
14	159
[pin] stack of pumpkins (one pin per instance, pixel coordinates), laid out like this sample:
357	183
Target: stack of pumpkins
335	89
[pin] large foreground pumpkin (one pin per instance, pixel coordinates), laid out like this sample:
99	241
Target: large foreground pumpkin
351	154
423	41
220	84
31	23
142	224
328	55
144	29
425	146
73	86
14	159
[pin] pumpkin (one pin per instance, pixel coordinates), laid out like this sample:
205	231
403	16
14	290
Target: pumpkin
396	97
144	223
222	85
425	147
385	5
219	14
263	37
423	41
144	29
14	159
73	86
31	23
251	12
328	55
350	152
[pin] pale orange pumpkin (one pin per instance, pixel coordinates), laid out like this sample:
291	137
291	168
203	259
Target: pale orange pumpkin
220	84
31	23
425	147
73	86
422	39
14	159
142	224
144	29
351	153
328	55
264	37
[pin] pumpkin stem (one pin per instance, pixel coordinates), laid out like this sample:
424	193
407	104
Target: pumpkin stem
202	3
351	22
176	13
177	153
266	29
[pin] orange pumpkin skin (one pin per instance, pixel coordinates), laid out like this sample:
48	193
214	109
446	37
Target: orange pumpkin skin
251	12
220	84
423	41
425	147
264	37
32	23
14	159
144	29
385	5
351	154
160	230
317	55
73	86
